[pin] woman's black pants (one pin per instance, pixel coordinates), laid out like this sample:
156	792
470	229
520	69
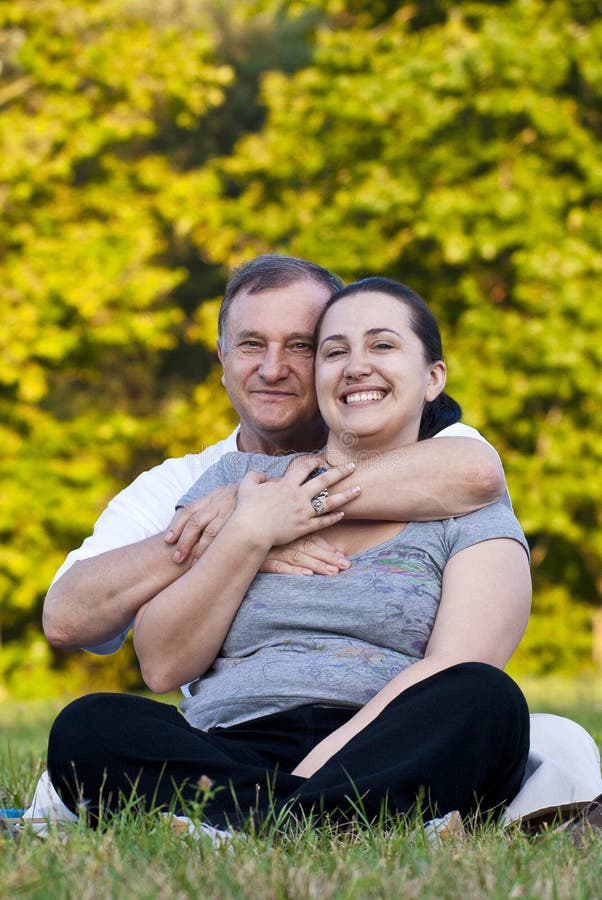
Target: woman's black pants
457	740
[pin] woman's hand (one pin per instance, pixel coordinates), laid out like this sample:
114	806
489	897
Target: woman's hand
281	508
195	526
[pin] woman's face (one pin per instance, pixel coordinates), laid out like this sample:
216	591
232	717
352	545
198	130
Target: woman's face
372	379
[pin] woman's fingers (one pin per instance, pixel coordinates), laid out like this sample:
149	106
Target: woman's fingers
316	481
334	501
329	479
302	469
323	520
316	486
289	507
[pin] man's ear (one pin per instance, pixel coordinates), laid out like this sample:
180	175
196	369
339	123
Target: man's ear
437	380
220	356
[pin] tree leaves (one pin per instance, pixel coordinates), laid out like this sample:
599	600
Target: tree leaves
146	147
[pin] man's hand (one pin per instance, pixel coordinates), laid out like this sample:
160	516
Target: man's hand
193	527
306	556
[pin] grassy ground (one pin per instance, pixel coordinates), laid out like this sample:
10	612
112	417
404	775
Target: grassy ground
144	859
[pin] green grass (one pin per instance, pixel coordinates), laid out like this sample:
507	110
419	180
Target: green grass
142	858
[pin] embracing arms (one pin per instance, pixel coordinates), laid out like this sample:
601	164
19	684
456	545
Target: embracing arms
428	480
179	632
98	598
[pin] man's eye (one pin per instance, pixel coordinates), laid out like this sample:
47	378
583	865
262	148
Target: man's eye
250	345
302	347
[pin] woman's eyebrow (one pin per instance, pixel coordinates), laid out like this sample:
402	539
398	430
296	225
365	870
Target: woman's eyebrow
332	337
370	332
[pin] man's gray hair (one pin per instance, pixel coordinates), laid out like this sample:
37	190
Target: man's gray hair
267	272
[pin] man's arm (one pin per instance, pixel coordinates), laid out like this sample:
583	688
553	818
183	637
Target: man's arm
97	598
433	479
98	590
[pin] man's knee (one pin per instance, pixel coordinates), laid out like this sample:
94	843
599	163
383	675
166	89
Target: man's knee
89	712
77	731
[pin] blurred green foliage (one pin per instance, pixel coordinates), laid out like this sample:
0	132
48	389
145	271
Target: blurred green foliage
146	146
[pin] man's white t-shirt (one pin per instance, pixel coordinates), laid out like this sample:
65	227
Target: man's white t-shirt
146	506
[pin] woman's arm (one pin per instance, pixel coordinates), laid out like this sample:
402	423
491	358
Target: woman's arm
179	632
485	603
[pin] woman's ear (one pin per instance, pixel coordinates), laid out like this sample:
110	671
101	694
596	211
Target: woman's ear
437	380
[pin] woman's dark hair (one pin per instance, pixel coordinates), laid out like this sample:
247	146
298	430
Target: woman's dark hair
443	410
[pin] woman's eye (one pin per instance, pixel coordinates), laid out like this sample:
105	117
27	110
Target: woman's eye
335	351
383	345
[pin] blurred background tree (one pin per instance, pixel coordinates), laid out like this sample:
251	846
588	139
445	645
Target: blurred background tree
146	146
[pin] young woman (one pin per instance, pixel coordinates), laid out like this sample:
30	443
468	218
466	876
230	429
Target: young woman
382	686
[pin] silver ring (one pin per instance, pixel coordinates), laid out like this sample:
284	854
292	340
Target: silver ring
318	505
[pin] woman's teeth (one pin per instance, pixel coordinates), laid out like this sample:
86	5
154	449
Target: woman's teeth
364	396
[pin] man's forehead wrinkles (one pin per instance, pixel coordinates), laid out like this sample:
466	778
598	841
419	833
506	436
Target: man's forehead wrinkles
270	336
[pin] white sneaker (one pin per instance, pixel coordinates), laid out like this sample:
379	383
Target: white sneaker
448	826
47	810
199	830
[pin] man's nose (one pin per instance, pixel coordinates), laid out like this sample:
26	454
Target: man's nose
273	366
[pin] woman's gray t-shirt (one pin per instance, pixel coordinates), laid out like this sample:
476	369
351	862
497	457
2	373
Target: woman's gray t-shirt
334	640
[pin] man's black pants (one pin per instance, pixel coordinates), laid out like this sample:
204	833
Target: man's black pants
457	740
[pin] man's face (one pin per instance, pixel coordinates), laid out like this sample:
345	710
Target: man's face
267	357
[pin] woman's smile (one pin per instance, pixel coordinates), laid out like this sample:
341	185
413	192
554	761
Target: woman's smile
366	395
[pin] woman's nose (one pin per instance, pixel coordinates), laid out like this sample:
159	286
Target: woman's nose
357	365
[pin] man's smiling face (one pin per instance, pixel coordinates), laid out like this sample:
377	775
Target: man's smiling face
267	357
